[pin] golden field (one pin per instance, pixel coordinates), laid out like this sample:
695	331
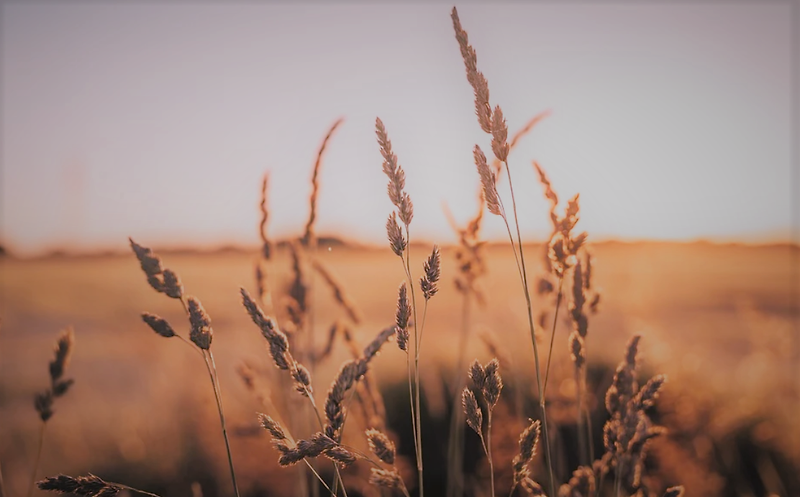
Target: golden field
720	320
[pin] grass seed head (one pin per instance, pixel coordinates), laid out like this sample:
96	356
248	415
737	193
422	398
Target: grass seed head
431	267
385	478
493	384
201	333
499	135
158	324
488	182
271	426
381	446
472	411
396	239
88	486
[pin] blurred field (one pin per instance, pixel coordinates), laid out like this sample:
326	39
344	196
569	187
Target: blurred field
721	321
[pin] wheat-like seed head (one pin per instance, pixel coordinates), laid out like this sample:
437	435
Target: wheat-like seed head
431	267
385	478
472	411
493	384
151	265
158	324
397	177
477	375
172	284
381	446
276	339
488	181
499	135
63	351
271	426
201	333
396	239
308	236
528	440
402	316
302	379
476	78
88	486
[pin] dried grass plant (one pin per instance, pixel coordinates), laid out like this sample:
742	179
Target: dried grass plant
493	123
407	309
43	402
201	334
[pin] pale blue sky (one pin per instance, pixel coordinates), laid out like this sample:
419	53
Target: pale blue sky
157	121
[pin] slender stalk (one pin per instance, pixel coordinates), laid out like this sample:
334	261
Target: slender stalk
553	332
581	435
489	447
416	413
319	477
212	372
408	366
337	477
38	457
411	400
548	455
488	451
418	339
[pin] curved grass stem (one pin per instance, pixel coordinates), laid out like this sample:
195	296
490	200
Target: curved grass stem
523	273
212	372
553	332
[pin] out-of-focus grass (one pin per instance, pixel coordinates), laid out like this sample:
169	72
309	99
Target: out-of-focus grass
719	320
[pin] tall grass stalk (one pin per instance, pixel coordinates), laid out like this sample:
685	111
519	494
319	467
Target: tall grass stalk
208	359
540	388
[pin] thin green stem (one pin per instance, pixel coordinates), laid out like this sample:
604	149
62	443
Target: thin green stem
212	372
38	457
553	332
523	271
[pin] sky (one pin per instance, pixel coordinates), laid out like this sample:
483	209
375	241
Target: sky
672	121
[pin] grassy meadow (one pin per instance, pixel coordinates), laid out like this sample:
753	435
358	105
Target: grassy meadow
717	319
705	403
